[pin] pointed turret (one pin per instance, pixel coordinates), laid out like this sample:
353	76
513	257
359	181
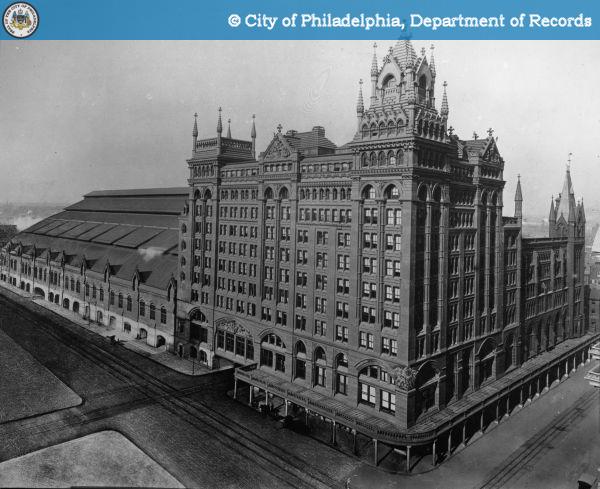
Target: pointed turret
229	128
566	198
219	123
374	73
519	200
360	106
374	67
432	62
195	131
552	213
444	110
253	136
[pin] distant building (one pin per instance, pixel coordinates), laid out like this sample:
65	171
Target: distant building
376	283
7	231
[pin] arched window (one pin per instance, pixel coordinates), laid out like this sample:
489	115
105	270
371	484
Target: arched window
426	384
300	371
112	298
268	193
284	193
78	286
129	303
392	192
152	311
368	192
320	367
364	160
120	300
142	308
101	294
341	374
183	228
381	159
163	315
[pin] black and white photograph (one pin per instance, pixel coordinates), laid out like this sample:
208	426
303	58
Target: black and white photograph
299	264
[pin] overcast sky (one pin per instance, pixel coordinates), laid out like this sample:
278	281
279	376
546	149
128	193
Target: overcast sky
80	116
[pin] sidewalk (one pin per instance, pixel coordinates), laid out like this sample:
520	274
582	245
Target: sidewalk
159	355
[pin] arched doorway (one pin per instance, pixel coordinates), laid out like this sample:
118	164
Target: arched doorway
57	299
39	293
50	296
112	322
66	303
193	352
143	334
180	350
160	341
203	356
75	306
99	317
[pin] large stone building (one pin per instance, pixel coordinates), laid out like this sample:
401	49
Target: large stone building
376	283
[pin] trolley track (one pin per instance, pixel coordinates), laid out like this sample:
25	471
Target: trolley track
519	460
277	461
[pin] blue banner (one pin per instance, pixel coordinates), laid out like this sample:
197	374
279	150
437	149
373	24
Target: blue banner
308	19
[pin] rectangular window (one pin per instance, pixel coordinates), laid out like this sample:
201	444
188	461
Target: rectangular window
367	394
388	401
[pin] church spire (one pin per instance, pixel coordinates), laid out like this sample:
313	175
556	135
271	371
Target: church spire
229	128
444	110
195	131
519	200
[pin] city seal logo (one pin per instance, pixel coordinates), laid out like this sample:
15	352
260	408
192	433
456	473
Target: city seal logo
20	20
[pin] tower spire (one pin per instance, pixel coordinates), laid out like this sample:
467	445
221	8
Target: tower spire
374	73
195	131
374	67
219	123
360	106
519	200
444	110
253	136
229	128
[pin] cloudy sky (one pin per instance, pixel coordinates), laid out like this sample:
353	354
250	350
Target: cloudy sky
80	116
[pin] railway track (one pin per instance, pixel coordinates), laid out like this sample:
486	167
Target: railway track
277	461
519	460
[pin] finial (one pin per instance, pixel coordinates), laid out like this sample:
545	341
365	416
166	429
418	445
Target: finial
519	177
432	61
229	128
253	132
475	136
374	67
569	162
279	128
444	109
490	132
451	130
195	130
360	107
219	123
